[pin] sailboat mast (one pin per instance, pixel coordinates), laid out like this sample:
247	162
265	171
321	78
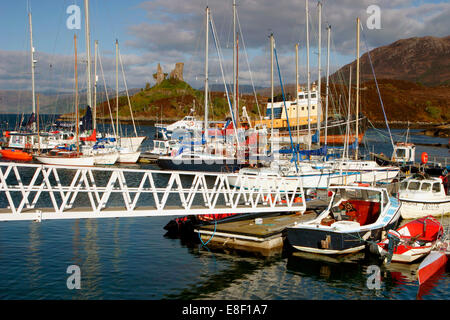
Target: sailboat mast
33	66
94	120
76	94
237	74
271	92
308	74
37	124
357	88
206	72
235	66
117	88
88	54
296	92
328	82
319	92
347	136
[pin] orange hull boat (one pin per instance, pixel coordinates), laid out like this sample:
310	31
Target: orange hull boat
13	154
340	139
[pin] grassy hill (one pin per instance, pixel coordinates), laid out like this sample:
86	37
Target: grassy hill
171	100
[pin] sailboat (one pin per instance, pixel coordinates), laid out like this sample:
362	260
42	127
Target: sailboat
21	144
69	156
370	171
215	155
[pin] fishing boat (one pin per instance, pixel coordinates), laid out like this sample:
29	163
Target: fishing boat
412	241
355	215
422	195
13	154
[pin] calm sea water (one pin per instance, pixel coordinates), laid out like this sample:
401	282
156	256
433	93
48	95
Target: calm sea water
131	258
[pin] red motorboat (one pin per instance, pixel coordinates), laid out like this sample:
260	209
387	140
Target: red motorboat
13	154
412	241
434	262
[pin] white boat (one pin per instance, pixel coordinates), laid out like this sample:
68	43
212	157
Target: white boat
65	158
310	176
128	156
355	215
422	196
368	171
108	158
103	153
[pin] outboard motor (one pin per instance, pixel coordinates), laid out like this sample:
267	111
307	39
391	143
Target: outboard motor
394	239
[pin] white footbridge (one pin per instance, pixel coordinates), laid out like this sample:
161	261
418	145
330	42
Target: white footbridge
41	192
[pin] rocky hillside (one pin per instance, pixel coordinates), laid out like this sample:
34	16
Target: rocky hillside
423	60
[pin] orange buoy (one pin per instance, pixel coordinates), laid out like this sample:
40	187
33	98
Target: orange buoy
424	157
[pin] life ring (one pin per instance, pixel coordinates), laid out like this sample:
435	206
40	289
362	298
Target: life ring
191	123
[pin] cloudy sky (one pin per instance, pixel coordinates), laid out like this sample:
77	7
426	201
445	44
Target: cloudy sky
170	31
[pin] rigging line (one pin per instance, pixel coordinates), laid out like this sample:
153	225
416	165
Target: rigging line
285	108
376	83
213	29
128	96
106	92
248	63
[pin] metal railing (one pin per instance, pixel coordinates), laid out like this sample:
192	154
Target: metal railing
39	192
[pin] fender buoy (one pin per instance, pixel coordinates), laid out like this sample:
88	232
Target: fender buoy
424	157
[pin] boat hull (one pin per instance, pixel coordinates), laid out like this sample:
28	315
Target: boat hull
17	155
417	209
330	242
106	158
199	165
67	161
128	157
291	183
430	265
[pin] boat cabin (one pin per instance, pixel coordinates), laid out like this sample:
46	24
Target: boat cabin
404	153
163	147
418	187
360	205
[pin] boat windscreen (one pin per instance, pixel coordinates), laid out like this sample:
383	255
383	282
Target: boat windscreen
358	194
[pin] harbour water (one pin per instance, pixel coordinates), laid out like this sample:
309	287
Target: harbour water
131	258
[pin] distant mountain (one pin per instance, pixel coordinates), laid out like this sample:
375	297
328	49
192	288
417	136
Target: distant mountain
423	60
19	101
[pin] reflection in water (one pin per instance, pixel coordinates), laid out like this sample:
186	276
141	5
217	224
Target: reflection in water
33	258
90	267
76	243
216	282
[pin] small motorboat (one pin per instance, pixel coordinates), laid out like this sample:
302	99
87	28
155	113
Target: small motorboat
412	241
185	225
422	195
13	154
356	215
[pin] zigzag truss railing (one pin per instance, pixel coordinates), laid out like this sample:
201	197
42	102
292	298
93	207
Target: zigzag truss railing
40	192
